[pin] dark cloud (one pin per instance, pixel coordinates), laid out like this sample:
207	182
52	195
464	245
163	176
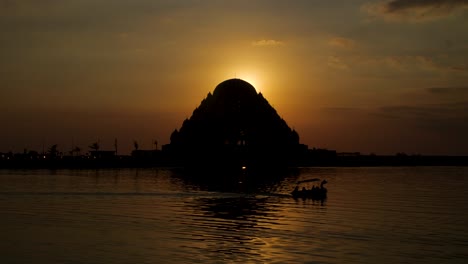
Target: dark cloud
462	90
340	110
439	128
400	5
448	115
415	10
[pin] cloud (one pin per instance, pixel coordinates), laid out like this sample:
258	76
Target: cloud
267	43
428	128
407	63
397	65
415	10
337	63
340	42
431	64
408	111
341	110
446	122
29	7
429	113
399	5
449	91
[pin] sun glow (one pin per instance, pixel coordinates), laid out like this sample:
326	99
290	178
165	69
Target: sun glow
254	74
253	79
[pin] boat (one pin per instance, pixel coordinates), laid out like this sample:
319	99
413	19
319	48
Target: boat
315	193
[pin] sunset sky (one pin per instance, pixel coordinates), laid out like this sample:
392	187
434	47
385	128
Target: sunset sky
352	75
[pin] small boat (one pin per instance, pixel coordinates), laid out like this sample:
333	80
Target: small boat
316	193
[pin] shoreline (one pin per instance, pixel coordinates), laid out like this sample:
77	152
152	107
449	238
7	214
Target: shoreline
132	162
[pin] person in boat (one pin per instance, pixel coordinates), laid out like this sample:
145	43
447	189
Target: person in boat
314	189
315	192
296	191
322	184
323	190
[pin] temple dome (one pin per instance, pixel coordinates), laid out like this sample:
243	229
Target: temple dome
235	124
234	88
233	113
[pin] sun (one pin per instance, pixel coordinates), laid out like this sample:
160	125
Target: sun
253	79
253	75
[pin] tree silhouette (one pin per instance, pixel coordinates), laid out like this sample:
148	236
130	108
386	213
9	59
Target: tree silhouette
135	144
53	151
95	146
116	145
76	150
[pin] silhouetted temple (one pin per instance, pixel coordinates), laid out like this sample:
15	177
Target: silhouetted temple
234	127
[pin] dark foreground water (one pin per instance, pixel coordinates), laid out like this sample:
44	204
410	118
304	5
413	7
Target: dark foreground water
372	215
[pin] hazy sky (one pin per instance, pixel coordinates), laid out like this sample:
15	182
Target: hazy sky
351	75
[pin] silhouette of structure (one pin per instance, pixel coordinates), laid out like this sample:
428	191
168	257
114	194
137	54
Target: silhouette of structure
232	128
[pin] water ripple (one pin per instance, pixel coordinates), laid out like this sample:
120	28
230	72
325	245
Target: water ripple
389	215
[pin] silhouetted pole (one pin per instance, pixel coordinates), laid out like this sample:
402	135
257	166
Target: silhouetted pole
72	147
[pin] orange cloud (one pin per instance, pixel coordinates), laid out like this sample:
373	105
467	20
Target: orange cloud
267	43
340	42
337	63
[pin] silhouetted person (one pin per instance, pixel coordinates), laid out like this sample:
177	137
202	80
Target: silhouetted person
322	185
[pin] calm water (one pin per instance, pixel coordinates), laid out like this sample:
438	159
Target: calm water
384	215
